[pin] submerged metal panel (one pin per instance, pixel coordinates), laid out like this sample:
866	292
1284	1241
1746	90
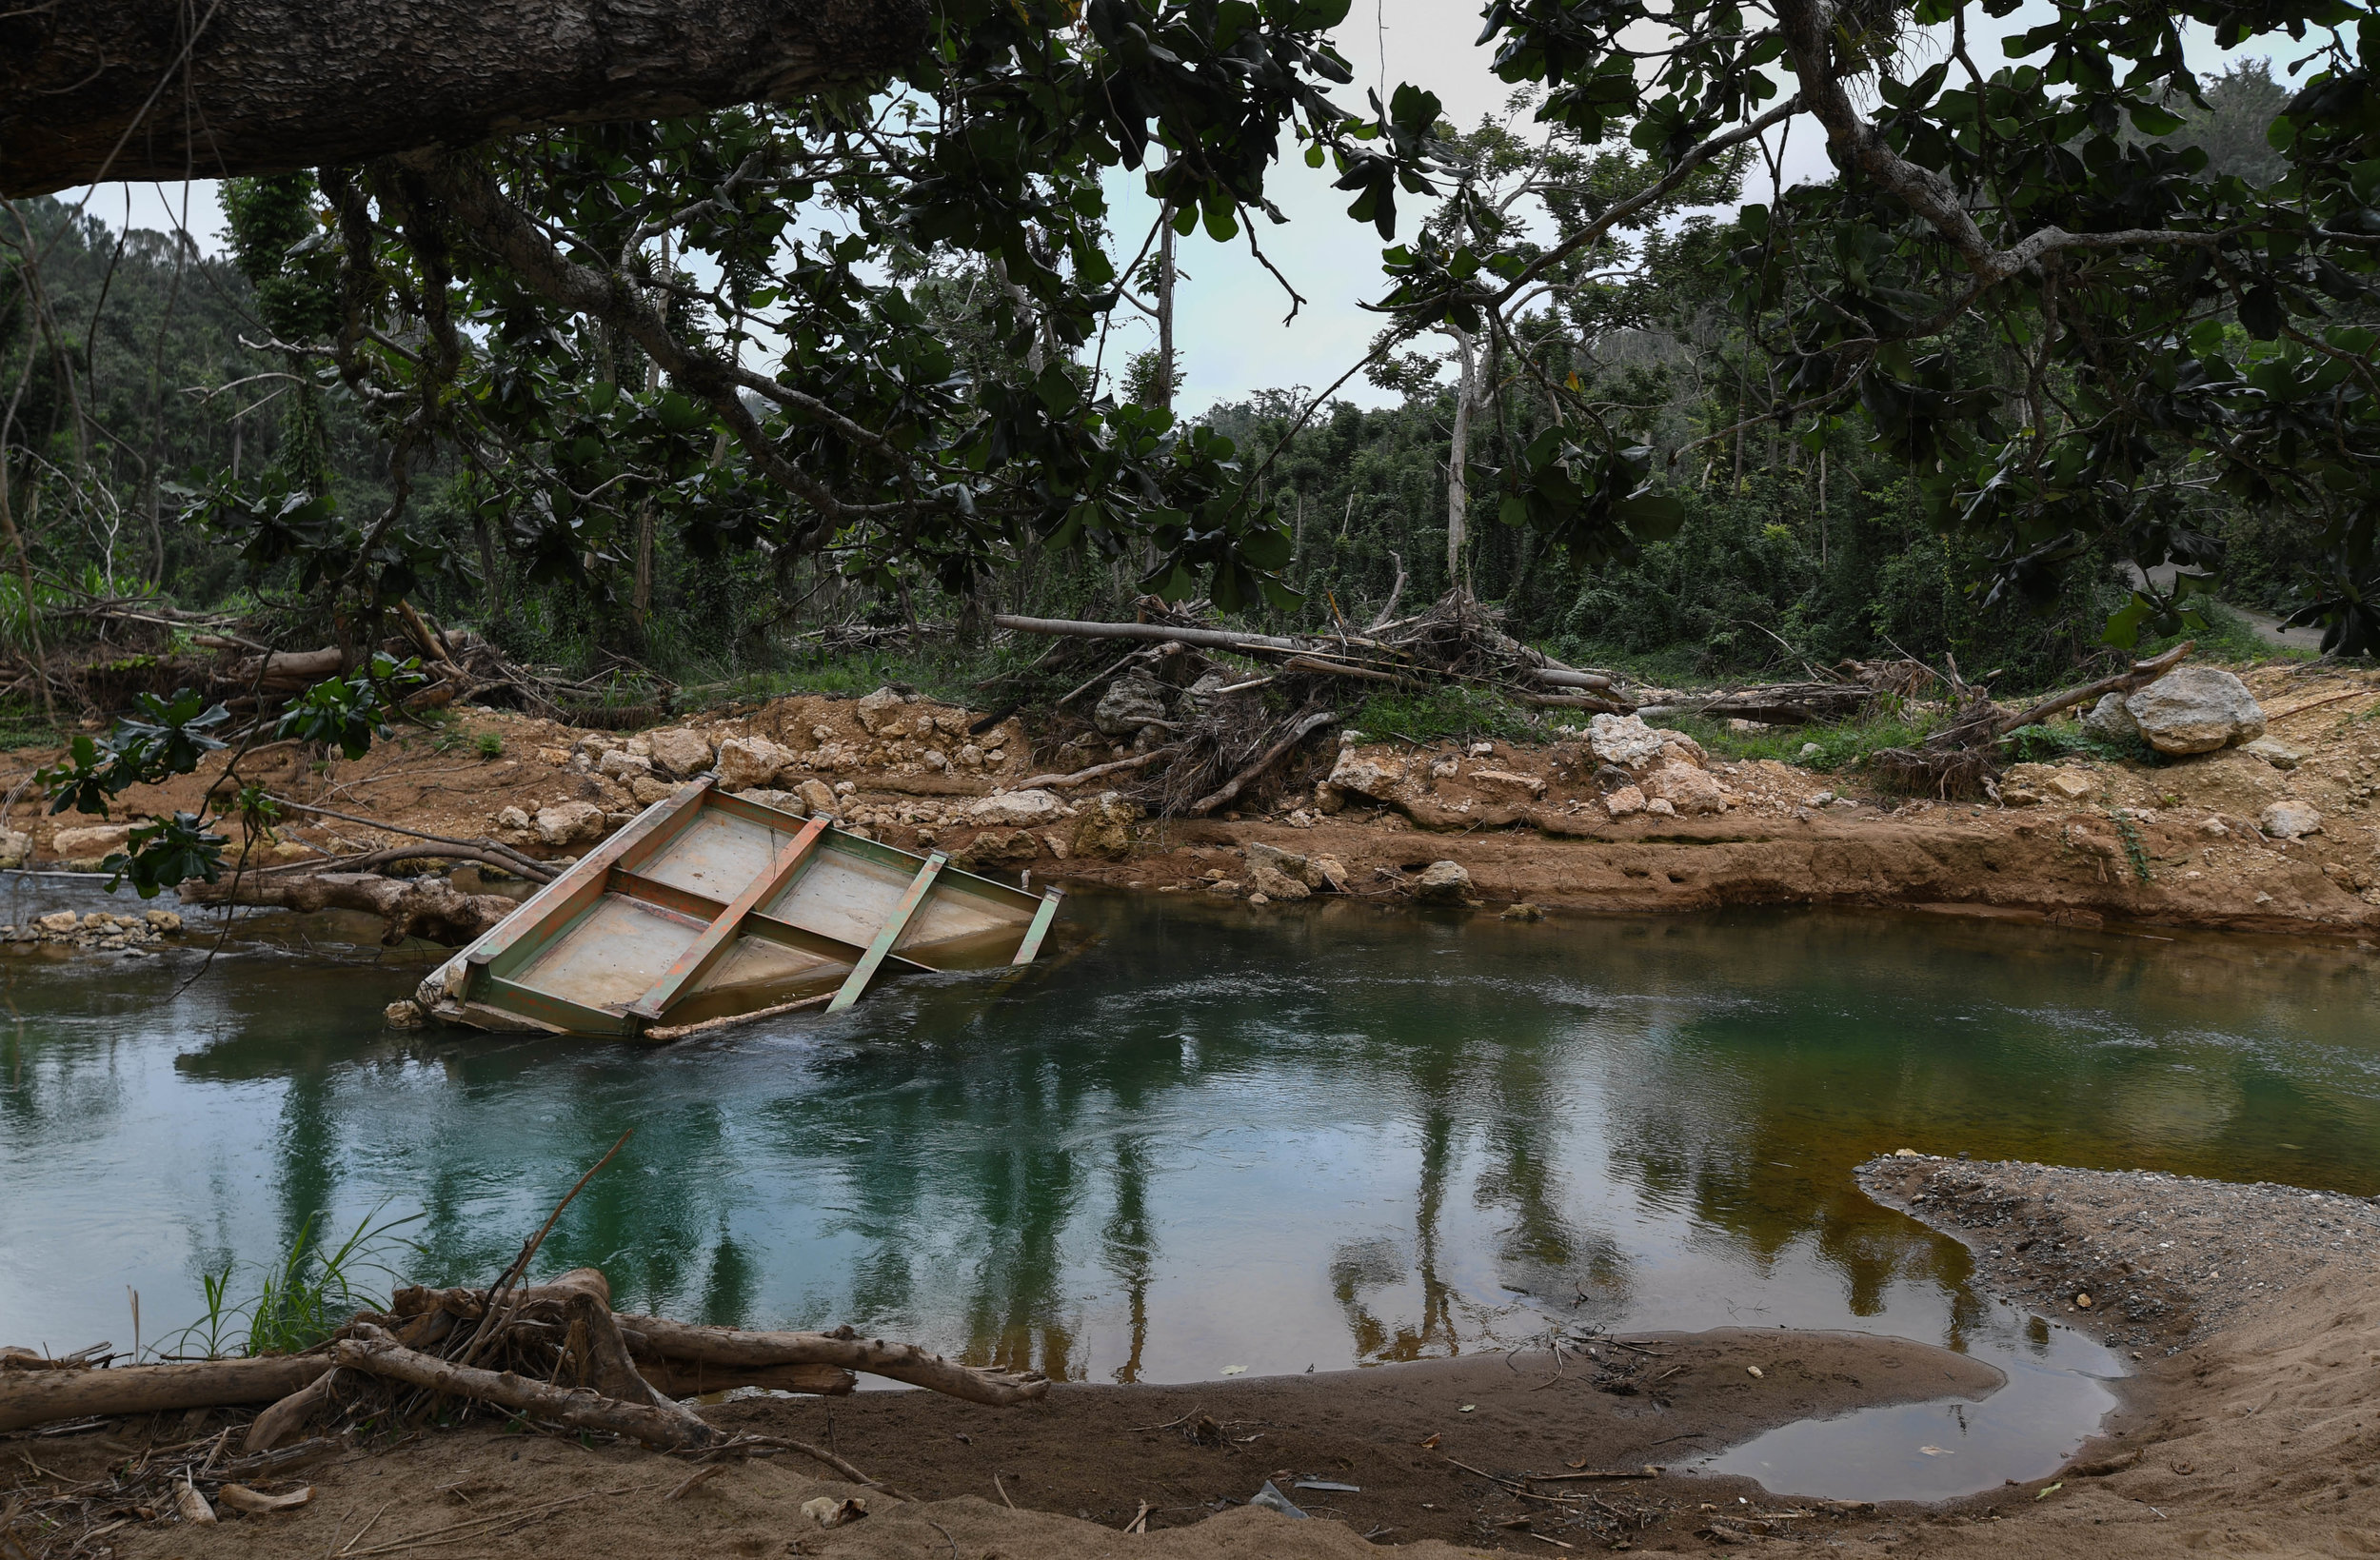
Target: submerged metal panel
612	954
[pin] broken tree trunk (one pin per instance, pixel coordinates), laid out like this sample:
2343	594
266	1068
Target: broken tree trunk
419	907
2140	676
1778	704
37	1397
681	1344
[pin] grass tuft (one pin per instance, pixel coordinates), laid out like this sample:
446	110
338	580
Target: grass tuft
301	1298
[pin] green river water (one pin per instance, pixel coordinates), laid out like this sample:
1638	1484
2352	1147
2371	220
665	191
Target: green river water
1209	1137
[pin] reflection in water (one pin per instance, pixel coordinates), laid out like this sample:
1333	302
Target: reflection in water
1313	1136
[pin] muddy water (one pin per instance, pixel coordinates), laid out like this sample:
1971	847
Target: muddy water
1218	1138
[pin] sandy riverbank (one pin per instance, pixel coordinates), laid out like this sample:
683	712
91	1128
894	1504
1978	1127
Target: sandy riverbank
2250	1430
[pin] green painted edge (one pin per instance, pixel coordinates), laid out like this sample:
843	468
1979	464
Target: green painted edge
889	933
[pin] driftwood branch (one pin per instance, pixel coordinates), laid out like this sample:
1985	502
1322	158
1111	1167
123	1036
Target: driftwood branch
373	1351
1084	777
1265	760
681	1343
38	1397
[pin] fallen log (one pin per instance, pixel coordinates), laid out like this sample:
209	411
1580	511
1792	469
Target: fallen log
684	1378
37	1397
1562	677
681	1344
1776	704
1575	702
430	908
1205	639
672	1427
1271	755
1338	668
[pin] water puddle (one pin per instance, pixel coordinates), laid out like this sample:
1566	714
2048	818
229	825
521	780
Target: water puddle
1323	1136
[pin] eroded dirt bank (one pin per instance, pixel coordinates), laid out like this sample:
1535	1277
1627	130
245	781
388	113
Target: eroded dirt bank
2080	840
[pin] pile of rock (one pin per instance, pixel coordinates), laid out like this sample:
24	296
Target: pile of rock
98	931
1272	875
1651	769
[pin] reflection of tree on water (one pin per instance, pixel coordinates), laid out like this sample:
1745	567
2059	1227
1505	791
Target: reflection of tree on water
981	1168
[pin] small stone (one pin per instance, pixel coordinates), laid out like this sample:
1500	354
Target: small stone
512	817
997	848
881	711
569	824
1508	782
1818	798
620	764
2279	755
2072	784
1523	911
1625	801
1330	869
1442	882
16	849
405	1013
1260	897
164	922
1017	809
678	751
648	789
1104	827
934	757
1660	807
2110	720
747	762
57	920
817	796
2288	821
1810	750
1361	776
1685	789
970	757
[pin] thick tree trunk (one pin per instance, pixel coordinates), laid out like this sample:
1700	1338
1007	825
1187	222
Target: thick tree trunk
683	1345
1459	456
103	90
39	1397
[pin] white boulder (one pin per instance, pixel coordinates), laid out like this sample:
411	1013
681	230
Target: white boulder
1016	810
2197	710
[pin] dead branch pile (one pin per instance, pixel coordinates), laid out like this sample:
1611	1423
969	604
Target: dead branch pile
549	1355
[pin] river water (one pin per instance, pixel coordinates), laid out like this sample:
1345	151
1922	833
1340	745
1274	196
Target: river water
1211	1137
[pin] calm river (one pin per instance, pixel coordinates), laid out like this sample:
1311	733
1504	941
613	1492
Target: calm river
1322	1135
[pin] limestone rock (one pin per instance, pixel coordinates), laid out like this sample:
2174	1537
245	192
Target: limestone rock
164	922
1016	810
98	840
784	802
1524	911
679	752
997	848
57	920
1330	869
1625	801
404	1013
1688	790
648	790
16	849
569	824
1505	782
1104	827
2197	710
1659	807
1626	743
622	765
817	796
2278	753
970	757
1442	882
1130	702
748	763
2110	720
883	710
2288	821
1362	776
1276	872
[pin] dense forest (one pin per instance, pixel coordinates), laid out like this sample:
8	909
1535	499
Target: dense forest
170	443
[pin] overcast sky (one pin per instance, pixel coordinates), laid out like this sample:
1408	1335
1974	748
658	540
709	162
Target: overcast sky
1228	311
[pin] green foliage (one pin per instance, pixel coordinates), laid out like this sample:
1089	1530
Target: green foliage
347	713
166	853
165	739
301	1298
2134	851
1844	744
1432	714
489	745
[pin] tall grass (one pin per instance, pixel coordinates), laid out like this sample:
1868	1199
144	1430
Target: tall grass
298	1299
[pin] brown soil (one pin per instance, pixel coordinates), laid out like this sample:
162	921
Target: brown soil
2059	861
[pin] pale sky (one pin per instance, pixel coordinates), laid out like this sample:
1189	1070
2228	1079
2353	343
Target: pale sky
1228	311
